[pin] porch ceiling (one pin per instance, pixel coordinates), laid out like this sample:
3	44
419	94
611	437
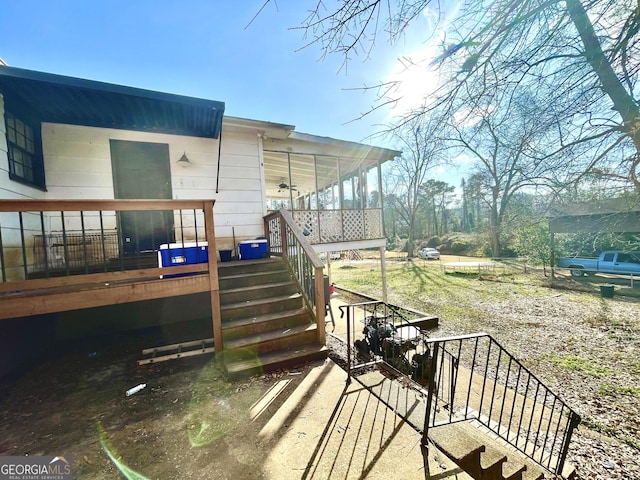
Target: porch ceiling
60	99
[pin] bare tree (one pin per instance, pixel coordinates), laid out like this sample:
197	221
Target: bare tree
421	152
585	54
507	141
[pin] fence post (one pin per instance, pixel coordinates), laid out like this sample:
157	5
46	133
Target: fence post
283	235
431	392
574	421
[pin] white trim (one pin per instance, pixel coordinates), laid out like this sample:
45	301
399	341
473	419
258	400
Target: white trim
263	180
352	245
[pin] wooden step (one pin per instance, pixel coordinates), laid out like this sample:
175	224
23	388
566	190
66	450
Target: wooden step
260	323
277	339
254	278
241	363
241	294
241	267
260	306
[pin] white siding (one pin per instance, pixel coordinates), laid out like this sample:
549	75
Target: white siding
10	223
10	189
78	166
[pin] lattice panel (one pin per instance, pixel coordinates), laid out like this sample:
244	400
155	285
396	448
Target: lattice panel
352	224
373	224
307	222
331	226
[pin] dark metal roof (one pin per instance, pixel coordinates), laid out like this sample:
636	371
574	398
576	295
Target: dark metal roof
607	215
60	99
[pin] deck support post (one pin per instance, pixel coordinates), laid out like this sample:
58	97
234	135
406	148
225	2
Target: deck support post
383	271
321	311
214	288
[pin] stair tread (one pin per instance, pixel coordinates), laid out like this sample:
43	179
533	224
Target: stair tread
268	335
236	270
455	442
259	301
256	287
517	466
264	361
265	317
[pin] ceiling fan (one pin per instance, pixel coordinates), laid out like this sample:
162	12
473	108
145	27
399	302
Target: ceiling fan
283	186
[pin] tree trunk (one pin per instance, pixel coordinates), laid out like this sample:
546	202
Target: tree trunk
623	102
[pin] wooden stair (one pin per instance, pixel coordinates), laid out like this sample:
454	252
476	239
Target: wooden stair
265	324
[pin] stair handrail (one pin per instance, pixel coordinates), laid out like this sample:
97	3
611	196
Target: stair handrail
285	239
466	375
548	421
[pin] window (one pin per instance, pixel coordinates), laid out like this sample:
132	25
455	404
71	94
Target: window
25	158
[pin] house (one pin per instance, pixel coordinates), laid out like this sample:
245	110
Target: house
112	195
96	177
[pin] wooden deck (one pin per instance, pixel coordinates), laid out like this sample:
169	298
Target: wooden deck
60	294
22	222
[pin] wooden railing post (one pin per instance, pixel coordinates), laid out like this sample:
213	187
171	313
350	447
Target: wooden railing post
320	304
214	288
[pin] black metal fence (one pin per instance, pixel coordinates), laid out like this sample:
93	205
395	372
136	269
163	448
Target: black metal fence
55	242
464	378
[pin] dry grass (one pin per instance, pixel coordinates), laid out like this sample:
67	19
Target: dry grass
580	344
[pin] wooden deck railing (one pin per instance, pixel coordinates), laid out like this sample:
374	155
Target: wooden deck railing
333	226
59	255
286	240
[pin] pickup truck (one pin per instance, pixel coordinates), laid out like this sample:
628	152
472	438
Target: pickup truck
621	263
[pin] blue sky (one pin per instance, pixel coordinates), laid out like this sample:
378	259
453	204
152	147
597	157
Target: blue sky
203	48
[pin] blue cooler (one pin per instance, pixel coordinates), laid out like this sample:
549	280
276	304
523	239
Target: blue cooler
188	253
252	249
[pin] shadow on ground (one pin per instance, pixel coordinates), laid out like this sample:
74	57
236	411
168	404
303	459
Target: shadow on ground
190	422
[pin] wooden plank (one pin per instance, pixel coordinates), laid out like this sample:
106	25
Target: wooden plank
78	280
173	356
214	288
15	306
97	205
176	346
321	312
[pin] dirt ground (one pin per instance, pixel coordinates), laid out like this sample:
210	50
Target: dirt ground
187	423
583	346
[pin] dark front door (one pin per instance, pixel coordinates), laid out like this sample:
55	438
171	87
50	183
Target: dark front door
141	170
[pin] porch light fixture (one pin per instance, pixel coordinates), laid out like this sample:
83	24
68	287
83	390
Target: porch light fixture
184	161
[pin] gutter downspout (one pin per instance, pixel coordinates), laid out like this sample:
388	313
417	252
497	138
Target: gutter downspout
219	154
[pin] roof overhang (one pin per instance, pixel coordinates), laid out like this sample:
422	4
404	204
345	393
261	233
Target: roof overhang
344	147
615	215
46	97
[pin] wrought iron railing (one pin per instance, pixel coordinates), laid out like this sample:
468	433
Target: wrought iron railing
288	241
465	378
68	237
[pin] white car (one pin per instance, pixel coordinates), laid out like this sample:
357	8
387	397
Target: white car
332	256
429	254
